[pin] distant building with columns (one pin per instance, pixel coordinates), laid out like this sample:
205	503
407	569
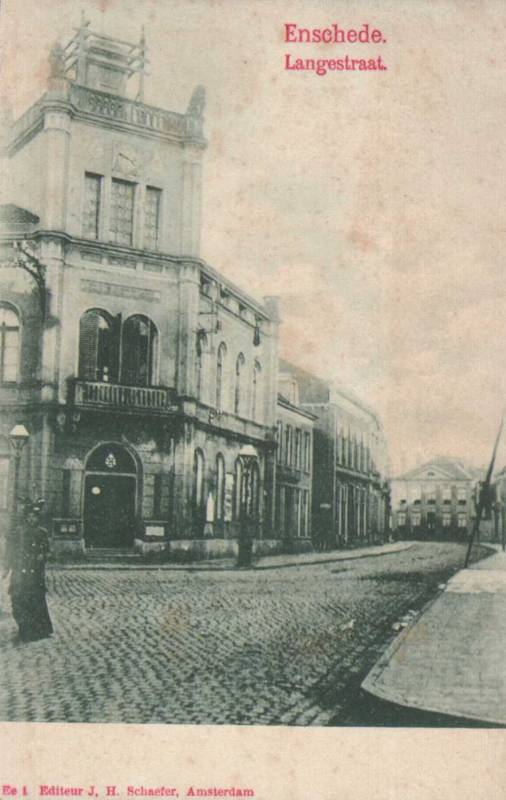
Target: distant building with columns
138	369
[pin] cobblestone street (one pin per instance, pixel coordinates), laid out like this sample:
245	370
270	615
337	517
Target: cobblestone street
280	646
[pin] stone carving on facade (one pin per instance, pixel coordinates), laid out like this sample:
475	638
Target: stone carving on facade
126	160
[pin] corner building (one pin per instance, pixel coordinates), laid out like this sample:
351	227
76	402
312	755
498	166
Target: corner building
139	371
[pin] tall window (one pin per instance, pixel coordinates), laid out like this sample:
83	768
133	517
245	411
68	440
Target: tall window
257	369
239	374
254	490
152	218
9	344
122	212
199	495
202	343
92	199
220	488
279	442
4	474
298	447
307	451
139	351
96	347
222	352
238	489
288	445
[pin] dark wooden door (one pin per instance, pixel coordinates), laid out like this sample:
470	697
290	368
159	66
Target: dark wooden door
109	510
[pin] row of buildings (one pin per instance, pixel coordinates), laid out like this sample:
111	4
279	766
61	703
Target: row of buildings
151	386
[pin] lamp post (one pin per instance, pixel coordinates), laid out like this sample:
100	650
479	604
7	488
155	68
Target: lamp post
18	437
248	455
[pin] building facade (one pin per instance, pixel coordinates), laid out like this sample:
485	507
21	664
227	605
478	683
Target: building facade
294	474
138	370
434	500
350	463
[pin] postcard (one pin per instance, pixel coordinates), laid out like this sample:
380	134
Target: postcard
252	458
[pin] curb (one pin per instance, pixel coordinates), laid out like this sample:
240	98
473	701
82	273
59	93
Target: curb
101	567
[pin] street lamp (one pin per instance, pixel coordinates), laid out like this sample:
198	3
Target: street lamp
247	455
18	437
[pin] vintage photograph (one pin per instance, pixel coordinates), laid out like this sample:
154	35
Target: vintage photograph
252	308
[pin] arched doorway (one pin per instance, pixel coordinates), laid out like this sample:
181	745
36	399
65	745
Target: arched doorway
110	492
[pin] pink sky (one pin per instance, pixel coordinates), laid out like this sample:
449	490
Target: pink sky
372	203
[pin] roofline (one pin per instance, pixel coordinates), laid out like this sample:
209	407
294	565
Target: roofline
281	401
8	234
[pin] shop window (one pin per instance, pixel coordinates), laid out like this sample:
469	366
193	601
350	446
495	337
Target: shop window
9	344
139	342
238	489
220	488
199	496
253	490
447	520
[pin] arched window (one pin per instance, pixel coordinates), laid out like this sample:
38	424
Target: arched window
9	344
202	342
238	489
220	366
220	488
138	351
239	372
256	395
97	347
199	490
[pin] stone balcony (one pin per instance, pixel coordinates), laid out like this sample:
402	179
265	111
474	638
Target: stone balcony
114	396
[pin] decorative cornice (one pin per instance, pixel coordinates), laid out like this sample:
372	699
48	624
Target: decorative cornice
99	107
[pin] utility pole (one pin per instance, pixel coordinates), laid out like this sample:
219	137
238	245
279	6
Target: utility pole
484	495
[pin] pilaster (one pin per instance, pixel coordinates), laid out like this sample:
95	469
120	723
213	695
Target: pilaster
189	282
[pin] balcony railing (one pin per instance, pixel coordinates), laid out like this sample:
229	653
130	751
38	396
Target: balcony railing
114	395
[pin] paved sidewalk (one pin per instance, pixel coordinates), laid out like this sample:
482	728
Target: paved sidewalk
262	562
452	659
